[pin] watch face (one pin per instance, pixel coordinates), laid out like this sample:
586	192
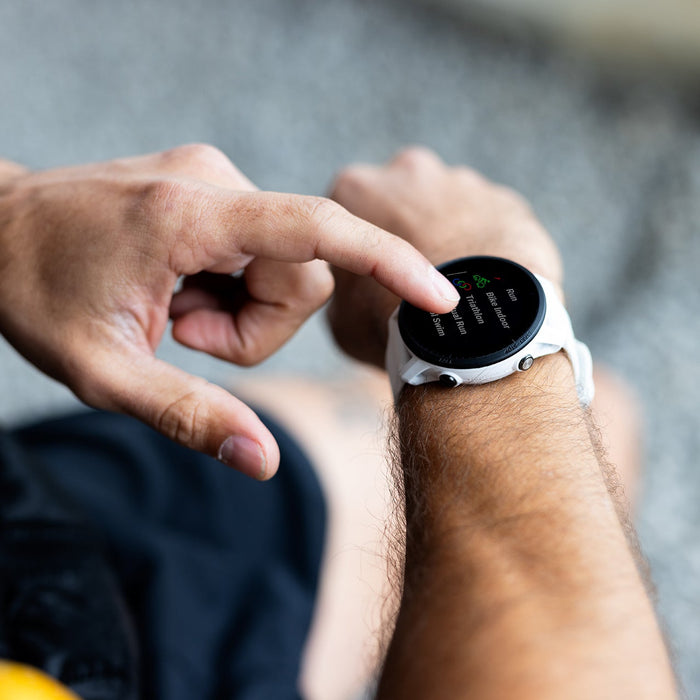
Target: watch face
502	306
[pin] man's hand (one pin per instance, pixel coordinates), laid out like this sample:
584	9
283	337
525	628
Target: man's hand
519	581
444	212
90	256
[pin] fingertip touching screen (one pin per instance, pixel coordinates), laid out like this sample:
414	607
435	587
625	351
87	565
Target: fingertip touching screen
501	308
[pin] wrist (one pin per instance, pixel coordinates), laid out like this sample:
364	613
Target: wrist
495	475
502	404
480	453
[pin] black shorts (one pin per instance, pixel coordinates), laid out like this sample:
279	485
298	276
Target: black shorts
214	573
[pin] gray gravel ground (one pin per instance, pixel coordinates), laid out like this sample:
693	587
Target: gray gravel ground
294	89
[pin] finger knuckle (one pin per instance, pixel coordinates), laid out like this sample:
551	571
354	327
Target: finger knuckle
314	288
196	154
347	180
469	176
249	357
324	284
248	352
169	214
156	200
513	199
414	157
321	212
181	419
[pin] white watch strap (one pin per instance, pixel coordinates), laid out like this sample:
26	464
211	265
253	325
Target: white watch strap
559	324
581	359
396	356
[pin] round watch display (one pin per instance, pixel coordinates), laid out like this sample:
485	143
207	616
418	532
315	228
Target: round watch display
502	306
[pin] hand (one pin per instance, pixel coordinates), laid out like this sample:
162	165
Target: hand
444	212
89	258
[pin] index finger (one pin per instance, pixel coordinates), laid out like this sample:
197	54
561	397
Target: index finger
296	228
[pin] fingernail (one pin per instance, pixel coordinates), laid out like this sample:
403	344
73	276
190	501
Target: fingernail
243	454
444	288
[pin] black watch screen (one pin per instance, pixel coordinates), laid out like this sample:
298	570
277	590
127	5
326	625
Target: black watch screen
501	308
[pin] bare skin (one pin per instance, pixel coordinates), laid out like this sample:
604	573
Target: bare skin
522	578
551	623
91	256
342	426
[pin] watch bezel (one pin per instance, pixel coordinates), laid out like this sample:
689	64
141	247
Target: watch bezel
442	360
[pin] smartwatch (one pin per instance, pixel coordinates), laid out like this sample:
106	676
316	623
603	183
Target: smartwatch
506	318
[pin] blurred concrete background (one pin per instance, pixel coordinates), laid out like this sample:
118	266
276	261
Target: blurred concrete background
293	89
651	35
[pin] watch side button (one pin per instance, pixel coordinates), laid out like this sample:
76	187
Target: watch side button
526	363
448	380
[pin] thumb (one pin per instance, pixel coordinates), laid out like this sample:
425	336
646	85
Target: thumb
190	411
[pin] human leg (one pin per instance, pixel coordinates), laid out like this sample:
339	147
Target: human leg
342	425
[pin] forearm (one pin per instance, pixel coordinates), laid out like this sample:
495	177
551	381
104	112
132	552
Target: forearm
519	580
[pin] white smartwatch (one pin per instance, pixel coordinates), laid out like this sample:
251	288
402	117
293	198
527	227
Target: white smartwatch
506	318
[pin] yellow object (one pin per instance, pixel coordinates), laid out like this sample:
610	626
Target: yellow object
19	682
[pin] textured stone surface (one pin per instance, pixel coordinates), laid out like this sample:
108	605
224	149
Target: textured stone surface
293	89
